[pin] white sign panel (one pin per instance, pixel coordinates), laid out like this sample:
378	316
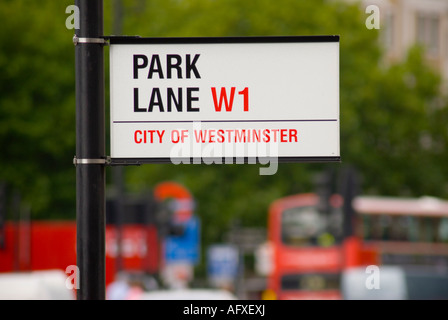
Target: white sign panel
211	99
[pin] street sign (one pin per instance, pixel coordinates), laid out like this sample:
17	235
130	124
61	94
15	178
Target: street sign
222	263
184	248
217	100
183	203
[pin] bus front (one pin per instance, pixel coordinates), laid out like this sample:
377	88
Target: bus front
307	251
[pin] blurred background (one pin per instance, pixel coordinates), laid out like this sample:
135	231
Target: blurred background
383	205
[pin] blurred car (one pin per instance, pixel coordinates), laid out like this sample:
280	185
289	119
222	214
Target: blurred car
36	285
188	294
390	284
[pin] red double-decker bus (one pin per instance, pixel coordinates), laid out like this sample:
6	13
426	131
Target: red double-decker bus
46	245
310	250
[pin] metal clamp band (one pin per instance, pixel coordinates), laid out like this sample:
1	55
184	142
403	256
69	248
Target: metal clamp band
77	161
77	40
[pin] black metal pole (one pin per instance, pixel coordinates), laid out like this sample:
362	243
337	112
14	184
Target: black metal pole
350	190
16	212
119	214
118	171
90	149
2	214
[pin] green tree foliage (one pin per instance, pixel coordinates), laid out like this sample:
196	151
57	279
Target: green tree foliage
37	105
400	142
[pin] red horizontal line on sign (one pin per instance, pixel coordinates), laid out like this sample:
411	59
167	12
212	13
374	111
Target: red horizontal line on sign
191	121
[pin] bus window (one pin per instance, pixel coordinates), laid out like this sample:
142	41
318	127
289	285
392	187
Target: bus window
364	230
399	227
443	230
413	229
426	231
386	225
311	281
304	226
376	228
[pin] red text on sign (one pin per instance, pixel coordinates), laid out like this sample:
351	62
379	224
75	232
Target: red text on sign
245	135
228	100
148	136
